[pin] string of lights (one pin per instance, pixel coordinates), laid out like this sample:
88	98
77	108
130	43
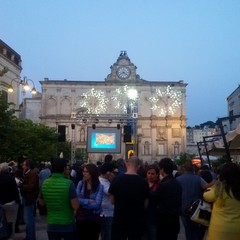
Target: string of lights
165	101
95	101
119	99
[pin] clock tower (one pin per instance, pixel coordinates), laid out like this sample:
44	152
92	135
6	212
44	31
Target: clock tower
123	70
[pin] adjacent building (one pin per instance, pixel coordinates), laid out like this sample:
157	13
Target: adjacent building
196	135
10	71
233	105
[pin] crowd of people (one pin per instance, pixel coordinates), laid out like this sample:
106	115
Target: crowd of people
120	200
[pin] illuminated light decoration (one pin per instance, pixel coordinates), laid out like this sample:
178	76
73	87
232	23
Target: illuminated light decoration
123	97
165	101
95	101
119	99
197	161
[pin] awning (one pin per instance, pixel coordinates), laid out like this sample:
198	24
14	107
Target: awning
217	148
233	138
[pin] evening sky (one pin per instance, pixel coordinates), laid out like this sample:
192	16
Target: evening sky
168	40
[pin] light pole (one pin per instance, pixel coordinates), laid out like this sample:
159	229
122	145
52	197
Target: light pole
16	96
73	144
24	83
132	111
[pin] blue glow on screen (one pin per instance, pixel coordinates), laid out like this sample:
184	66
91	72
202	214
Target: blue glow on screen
108	140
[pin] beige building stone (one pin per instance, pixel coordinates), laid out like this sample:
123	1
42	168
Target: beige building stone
11	62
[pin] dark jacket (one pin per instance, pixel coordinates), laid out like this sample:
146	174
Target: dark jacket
30	187
167	198
8	189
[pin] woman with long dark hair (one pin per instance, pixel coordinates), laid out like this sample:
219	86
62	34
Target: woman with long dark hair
225	195
90	194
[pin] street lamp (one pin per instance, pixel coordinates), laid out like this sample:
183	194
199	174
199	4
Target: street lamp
73	144
24	83
132	110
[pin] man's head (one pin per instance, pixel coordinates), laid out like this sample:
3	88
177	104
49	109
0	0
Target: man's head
108	158
166	165
106	167
133	162
58	165
27	164
4	167
106	170
188	166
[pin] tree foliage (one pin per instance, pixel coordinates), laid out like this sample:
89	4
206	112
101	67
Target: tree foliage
183	158
22	137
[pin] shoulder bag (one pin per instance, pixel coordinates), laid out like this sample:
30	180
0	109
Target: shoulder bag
200	212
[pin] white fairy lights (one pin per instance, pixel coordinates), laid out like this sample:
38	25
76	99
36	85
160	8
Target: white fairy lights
95	101
119	99
123	97
165	101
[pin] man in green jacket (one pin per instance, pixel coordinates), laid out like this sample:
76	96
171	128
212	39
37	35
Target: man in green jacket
59	195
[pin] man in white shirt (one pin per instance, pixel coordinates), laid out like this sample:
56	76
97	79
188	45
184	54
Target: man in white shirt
106	174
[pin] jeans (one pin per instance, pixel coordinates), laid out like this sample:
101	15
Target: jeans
10	210
28	214
61	235
168	228
106	228
191	228
88	230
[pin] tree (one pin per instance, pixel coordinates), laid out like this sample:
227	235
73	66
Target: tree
6	119
65	148
22	137
183	158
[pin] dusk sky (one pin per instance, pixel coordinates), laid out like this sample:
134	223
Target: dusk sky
168	40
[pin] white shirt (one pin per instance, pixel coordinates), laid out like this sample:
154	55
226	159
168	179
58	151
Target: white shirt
107	206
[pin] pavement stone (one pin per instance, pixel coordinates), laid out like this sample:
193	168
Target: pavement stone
41	226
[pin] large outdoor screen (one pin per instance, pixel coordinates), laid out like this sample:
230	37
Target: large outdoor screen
104	140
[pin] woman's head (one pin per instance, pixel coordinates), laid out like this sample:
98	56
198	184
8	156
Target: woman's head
230	175
90	174
152	173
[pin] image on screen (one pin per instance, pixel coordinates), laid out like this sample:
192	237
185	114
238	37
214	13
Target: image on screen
104	140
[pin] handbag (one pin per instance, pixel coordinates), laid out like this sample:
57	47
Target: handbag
88	215
200	212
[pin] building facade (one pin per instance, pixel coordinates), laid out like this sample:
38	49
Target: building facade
195	136
233	105
10	71
30	108
156	111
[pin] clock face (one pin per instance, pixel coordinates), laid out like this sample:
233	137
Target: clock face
123	72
